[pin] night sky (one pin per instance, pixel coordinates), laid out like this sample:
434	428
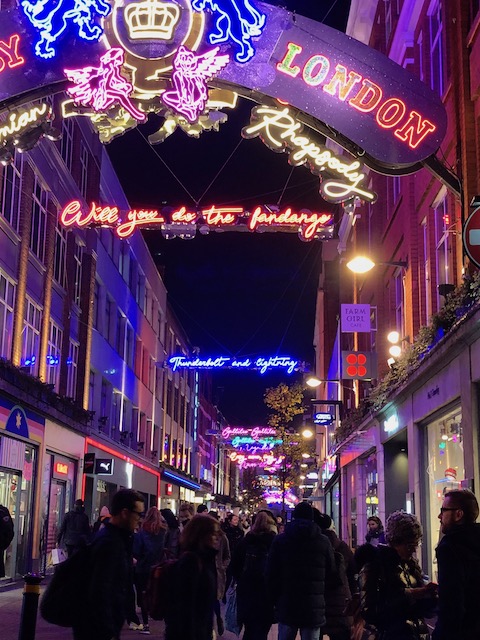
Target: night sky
236	294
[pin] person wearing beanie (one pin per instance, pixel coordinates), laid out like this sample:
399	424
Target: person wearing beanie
299	564
75	529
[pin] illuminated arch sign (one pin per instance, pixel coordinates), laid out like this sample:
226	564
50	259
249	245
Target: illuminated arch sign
330	80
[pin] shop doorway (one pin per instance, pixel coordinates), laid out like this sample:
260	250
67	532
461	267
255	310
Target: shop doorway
10	483
56	513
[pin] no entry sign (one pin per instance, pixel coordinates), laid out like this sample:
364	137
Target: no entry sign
471	236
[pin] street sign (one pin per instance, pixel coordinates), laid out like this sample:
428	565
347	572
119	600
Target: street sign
89	463
355	318
323	418
471	236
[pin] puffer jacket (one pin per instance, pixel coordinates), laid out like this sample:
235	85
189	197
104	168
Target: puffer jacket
458	557
299	563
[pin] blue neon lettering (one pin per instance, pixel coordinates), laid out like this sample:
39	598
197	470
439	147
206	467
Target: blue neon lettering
235	20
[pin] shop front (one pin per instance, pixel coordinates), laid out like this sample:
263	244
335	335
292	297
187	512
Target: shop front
21	436
106	470
177	489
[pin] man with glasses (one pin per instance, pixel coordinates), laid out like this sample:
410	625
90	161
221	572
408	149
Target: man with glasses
111	577
458	558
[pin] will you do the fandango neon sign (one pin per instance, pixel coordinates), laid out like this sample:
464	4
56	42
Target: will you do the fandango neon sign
308	224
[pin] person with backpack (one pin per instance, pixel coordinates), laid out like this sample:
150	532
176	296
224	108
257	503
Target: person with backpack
6	535
148	550
104	599
254	606
193	582
75	529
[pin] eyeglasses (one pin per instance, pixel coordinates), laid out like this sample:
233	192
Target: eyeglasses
140	514
443	509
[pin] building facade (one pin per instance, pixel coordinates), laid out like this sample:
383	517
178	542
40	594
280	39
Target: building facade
411	432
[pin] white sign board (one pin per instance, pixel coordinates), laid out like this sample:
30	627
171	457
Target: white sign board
356	318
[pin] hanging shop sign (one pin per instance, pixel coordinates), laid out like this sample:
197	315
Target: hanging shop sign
355	318
182	221
285	363
118	60
323	418
359	365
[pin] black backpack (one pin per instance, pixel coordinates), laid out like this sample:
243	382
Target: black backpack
158	594
255	563
64	600
6	528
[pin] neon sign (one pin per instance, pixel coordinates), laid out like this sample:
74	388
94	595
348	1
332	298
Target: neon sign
19	121
224	362
253	432
249	445
151	19
52	18
360	93
308	224
190	75
236	20
249	460
62	468
279	131
101	87
9	56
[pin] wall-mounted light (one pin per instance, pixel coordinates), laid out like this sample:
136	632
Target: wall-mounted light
363	264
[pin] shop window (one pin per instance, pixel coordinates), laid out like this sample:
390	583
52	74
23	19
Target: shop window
55	340
371	485
31	336
445	470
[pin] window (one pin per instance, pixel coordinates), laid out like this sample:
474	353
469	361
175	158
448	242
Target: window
59	265
421	70
10	192
124	261
66	142
436	49
55	339
91	389
474	9
168	408
176	403
105	395
120	333
96	305
72	366
109	319
443	244
39	219
129	355
83	170
31	336
7	300
78	256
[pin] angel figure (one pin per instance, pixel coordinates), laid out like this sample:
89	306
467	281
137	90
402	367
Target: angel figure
189	77
100	87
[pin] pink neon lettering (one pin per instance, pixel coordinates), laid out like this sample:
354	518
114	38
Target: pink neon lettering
367	98
183	216
414	130
310	223
72	214
221	215
137	219
9	53
390	113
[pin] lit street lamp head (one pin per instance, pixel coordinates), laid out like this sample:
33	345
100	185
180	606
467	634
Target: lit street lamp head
360	264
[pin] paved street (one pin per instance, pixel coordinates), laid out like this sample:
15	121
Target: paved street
10	611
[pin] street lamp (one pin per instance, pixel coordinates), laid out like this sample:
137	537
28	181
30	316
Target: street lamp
307	433
362	264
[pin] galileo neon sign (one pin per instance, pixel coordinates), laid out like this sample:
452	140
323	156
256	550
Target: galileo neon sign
308	224
289	365
253	432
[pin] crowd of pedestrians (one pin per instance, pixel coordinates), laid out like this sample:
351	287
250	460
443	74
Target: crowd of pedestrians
299	574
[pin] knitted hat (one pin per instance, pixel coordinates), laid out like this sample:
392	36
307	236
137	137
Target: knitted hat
303	511
323	520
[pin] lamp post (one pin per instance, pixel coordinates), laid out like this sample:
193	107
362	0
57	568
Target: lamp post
363	264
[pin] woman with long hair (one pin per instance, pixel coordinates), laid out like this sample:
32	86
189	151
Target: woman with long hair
254	607
194	582
148	550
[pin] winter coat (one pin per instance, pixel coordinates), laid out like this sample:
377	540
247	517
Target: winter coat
194	593
148	550
6	535
172	542
458	558
385	602
234	535
110	584
222	560
299	562
249	563
337	591
75	528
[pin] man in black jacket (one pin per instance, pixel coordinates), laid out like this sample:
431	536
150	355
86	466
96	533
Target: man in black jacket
111	579
458	558
75	529
300	561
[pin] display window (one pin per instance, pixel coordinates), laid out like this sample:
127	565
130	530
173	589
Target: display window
371	485
445	471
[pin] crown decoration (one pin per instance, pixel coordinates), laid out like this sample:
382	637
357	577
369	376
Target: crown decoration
151	19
